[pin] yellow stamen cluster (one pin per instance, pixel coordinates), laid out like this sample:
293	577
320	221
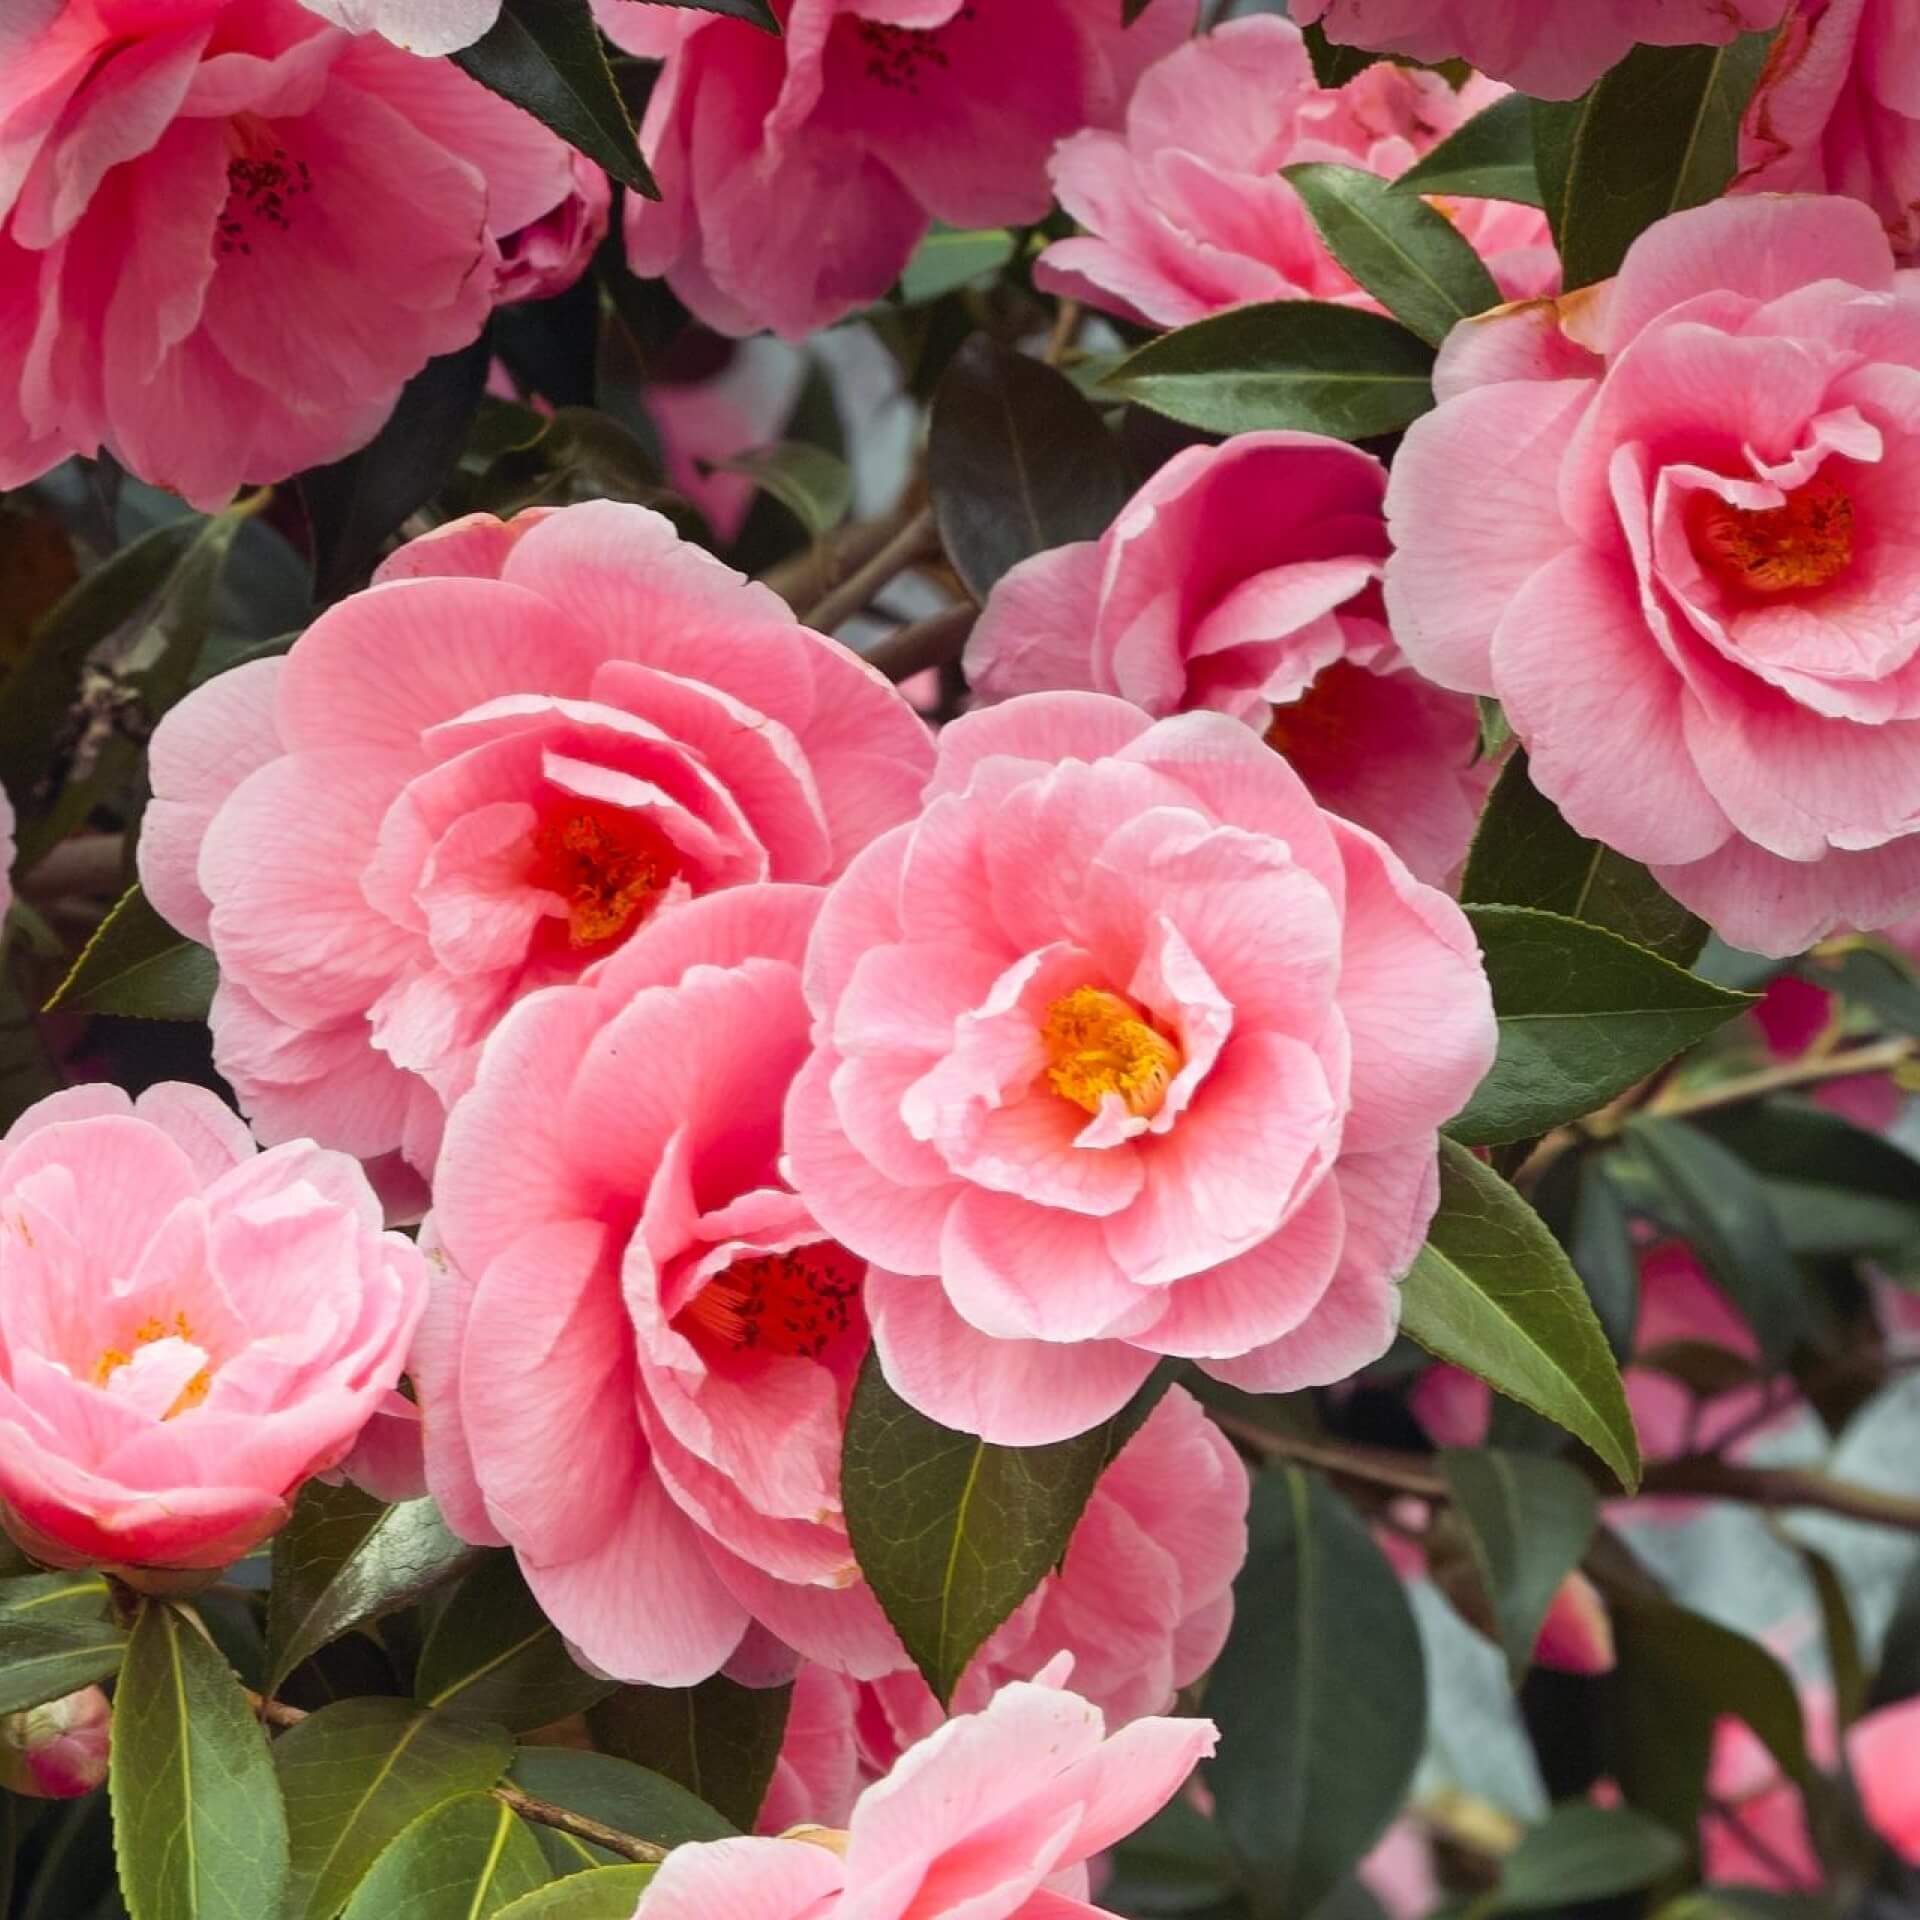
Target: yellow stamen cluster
144	1335
1804	543
1098	1043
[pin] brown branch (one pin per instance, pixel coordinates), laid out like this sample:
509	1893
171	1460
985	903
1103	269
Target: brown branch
806	576
931	642
916	541
1881	1057
1402	1472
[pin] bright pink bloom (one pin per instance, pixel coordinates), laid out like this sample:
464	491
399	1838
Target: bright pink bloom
188	1329
1552	48
1884	1753
1126	1049
548	255
478	777
1245	578
994	1816
57	1751
627	1280
1838	111
229	233
421	26
1691	548
1185	213
800	172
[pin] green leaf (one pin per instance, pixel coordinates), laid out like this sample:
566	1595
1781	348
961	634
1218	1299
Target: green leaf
1899	1676
1018	460
605	1893
1584	1014
1658	133
1525	855
1529	1520
1303	365
1334	65
1728	1217
1413	260
1320	1696
356	1774
344	1559
1842	1635
1492	1292
1490	158
1876	977
54	1598
947	259
546	57
1583	1852
1602	1249
617	1793
137	965
493	1655
46	1655
811	483
466	1859
198	1826
719	1740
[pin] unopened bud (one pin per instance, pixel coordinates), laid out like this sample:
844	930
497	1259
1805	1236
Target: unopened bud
57	1751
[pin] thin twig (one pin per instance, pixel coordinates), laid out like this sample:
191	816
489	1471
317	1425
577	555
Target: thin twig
1881	1057
1066	323
931	642
802	579
1403	1472
915	541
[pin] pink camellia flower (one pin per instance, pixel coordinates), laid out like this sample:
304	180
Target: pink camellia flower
1838	111
229	233
798	173
1185	213
1552	48
548	255
1884	1752
1124	1048
57	1751
628	1280
1245	578
1690	547
710	399
994	1816
421	26
190	1329
477	778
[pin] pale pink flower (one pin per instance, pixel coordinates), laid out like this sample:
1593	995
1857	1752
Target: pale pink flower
57	1751
549	254
1245	578
1125	1048
628	1281
994	1816
1185	213
1673	524
1552	48
798	173
421	26
476	778
188	1329
1838	111
737	400
229	233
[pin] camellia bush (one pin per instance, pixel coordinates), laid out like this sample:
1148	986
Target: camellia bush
962	959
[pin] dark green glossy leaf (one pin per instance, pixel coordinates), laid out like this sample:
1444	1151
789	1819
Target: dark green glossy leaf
718	1740
465	1860
947	259
1842	1636
811	483
1602	1249
1899	1676
1490	158
137	965
604	1893
618	1794
45	1654
1583	1852
53	1598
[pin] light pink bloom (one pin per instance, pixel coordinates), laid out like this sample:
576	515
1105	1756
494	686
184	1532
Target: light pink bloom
628	1281
229	233
1552	48
476	778
798	173
1838	111
421	26
1245	578
1124	1048
57	1751
1673	523
993	1817
188	1329
549	254
728	402
1185	213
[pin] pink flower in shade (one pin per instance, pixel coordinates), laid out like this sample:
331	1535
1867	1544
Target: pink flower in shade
1185	213
1884	1753
1124	1048
1795	1012
993	1816
188	1329
627	1280
475	779
1838	111
229	233
1552	48
6	854
1690	546
549	254
1245	578
57	1751
731	401
421	26
799	172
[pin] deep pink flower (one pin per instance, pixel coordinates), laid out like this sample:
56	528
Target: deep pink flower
1185	213
994	1816
1245	578
1674	524
1124	1048
476	778
799	172
549	254
57	1751
229	233
1552	48
188	1329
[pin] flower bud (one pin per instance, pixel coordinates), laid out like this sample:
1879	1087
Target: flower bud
57	1751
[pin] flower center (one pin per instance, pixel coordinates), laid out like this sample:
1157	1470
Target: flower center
112	1359
796	1303
895	55
263	182
1098	1043
607	865
1804	543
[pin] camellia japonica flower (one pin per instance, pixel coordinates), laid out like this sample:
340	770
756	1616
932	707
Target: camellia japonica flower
57	1751
191	1328
480	776
229	233
1125	1048
799	172
1671	523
